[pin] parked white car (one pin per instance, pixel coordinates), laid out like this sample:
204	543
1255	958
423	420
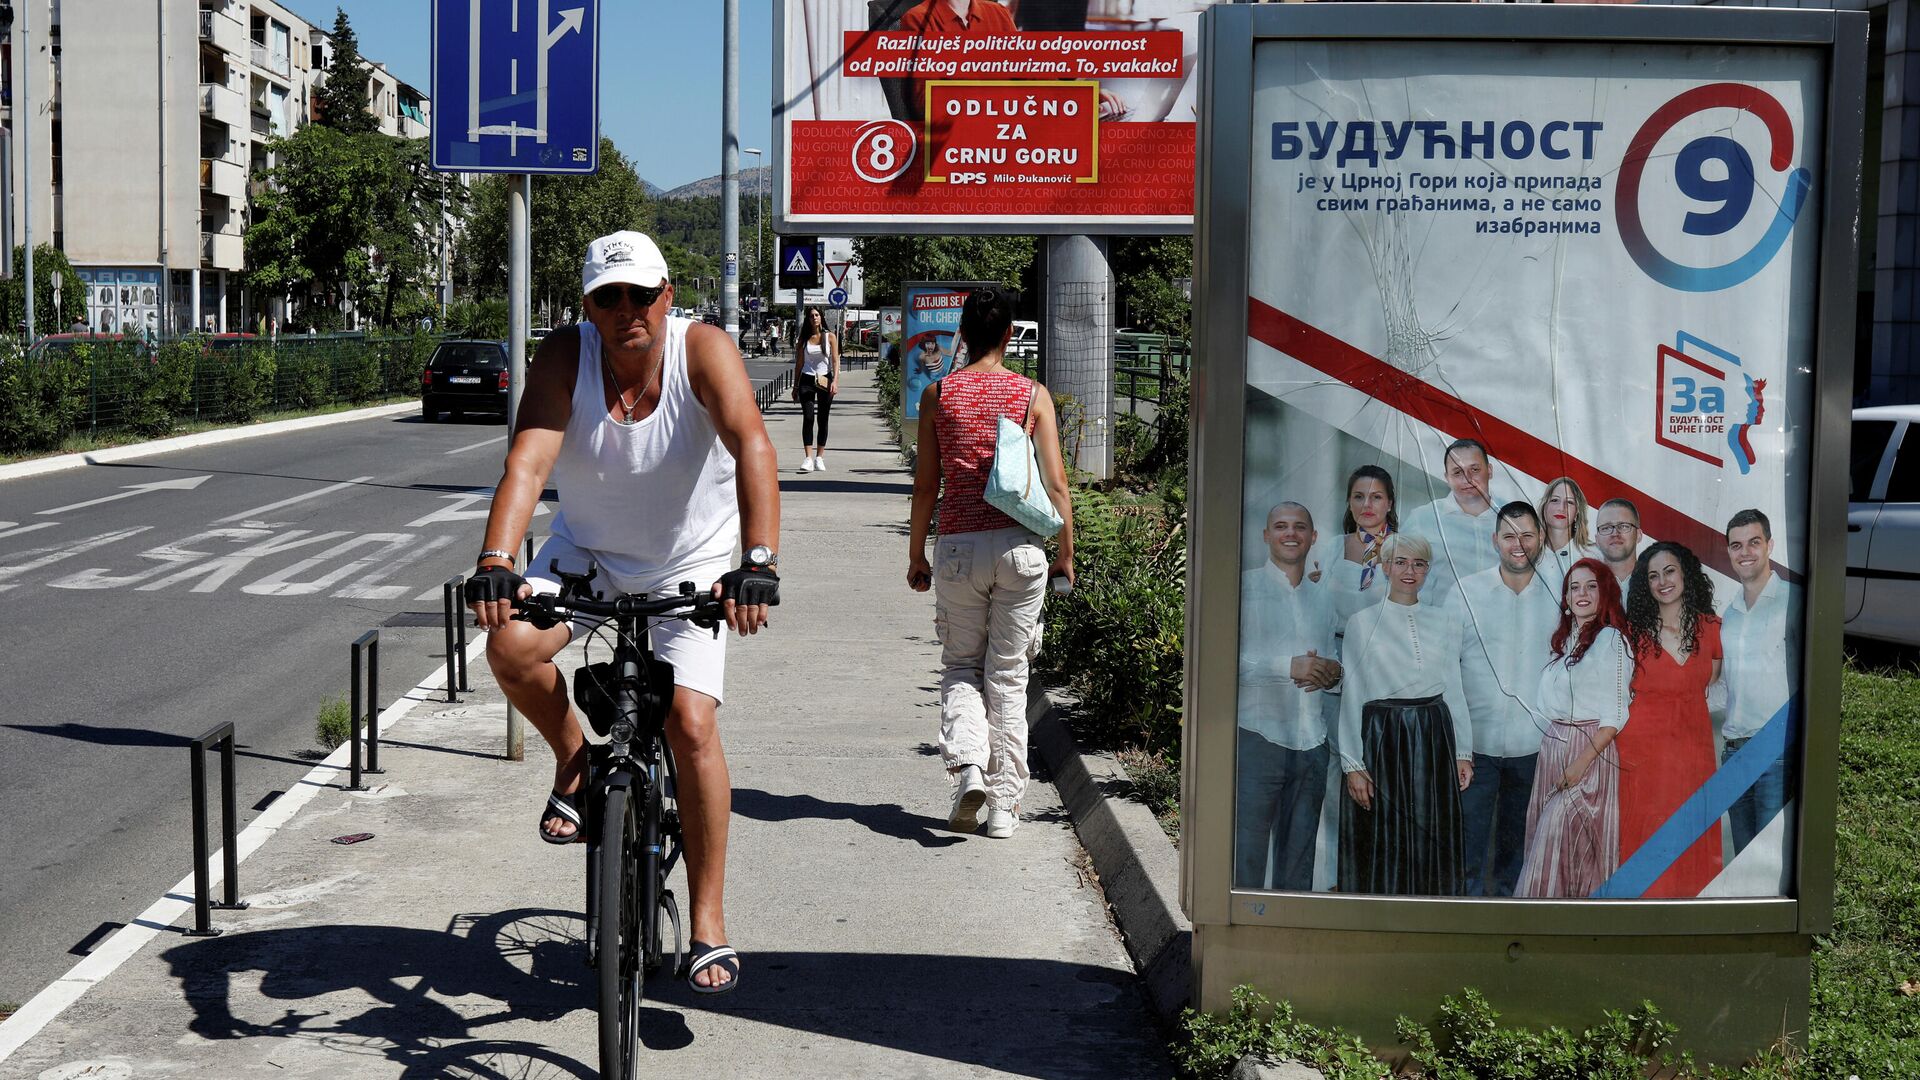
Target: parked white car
1883	524
1025	343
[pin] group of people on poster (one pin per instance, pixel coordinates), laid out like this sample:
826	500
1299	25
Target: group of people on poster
1511	696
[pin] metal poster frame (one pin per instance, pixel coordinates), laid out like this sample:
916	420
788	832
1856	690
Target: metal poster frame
885	225
1606	936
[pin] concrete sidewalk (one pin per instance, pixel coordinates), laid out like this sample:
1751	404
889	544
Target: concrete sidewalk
874	942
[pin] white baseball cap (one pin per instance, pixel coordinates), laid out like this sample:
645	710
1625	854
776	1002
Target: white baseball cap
625	256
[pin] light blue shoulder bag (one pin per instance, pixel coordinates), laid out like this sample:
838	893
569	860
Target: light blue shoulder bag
1016	487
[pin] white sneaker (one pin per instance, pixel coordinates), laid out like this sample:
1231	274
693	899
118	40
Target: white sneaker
820	462
1001	823
806	465
969	795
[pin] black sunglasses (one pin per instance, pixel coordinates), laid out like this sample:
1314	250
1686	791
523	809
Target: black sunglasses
607	297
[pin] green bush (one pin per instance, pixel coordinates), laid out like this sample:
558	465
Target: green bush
163	395
246	383
304	377
358	376
40	401
333	725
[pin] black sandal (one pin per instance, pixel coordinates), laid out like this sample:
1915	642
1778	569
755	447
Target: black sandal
706	956
563	806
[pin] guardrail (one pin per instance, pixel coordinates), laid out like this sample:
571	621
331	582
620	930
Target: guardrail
220	735
769	392
369	644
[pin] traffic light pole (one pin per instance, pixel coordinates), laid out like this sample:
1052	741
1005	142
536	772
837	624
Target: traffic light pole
730	173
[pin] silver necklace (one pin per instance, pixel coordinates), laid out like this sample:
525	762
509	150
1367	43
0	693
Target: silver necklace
640	389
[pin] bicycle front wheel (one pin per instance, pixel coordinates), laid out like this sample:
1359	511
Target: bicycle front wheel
619	943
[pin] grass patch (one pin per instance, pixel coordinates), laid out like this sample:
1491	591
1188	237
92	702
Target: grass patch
107	438
8	1008
333	725
1155	781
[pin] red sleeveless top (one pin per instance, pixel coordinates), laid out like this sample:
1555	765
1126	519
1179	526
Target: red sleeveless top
967	422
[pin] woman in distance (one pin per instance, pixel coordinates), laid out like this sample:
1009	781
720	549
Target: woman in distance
816	381
1573	821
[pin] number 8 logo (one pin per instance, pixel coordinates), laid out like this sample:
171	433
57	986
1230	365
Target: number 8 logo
1734	193
882	151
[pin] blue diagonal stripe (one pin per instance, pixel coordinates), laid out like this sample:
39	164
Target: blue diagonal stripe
1702	809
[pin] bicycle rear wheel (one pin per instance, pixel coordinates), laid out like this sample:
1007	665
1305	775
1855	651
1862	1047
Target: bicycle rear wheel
619	945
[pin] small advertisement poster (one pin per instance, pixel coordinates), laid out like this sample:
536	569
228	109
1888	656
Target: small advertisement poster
945	114
121	301
1526	495
930	344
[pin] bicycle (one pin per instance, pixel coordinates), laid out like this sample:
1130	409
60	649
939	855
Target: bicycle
632	823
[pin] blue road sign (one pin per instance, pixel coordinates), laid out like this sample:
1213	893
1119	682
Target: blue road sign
837	298
516	86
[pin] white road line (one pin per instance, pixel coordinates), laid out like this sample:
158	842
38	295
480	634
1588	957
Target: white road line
14	528
478	445
259	510
48	1004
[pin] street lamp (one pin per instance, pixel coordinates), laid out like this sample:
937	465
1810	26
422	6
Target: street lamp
759	227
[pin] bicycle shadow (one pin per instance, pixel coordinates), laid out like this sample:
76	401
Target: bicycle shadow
886	819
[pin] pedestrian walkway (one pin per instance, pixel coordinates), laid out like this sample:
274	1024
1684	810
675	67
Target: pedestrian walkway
874	942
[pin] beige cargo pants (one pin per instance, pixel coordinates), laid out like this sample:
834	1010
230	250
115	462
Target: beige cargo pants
988	589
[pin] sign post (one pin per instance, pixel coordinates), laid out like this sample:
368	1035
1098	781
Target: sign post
516	89
1429	460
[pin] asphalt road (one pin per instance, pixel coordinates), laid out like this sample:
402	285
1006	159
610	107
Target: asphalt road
139	617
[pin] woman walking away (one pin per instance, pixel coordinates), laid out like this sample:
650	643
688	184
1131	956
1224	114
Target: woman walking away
992	572
816	379
1573	820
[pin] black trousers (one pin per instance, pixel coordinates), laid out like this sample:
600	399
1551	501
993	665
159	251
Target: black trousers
813	401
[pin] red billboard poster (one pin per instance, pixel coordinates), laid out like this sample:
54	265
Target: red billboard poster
953	116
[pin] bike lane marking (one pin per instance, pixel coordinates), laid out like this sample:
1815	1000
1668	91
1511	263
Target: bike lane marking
490	442
46	1006
260	510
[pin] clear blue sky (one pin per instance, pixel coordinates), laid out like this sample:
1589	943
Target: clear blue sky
659	74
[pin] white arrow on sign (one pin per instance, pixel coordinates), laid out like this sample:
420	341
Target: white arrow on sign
570	20
185	483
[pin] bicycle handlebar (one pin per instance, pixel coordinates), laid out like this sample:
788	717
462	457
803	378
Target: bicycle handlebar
548	609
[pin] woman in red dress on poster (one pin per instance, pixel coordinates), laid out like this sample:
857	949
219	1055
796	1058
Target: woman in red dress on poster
1666	749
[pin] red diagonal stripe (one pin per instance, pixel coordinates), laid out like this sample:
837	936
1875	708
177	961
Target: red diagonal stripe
1442	411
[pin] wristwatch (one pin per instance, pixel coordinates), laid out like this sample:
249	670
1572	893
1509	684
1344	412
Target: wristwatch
762	555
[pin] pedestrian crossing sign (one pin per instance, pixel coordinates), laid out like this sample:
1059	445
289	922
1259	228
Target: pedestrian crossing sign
799	262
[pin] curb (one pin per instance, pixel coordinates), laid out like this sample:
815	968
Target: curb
1137	864
42	466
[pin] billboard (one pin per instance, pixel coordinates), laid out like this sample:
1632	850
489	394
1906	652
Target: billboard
930	345
1524	509
122	301
1034	116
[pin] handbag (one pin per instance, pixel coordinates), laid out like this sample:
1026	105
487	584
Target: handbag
1015	487
822	382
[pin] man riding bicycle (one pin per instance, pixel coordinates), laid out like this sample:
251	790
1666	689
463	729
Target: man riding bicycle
647	424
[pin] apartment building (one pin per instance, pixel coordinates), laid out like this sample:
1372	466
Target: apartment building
150	119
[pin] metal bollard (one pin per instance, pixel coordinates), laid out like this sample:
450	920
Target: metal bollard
369	644
220	735
453	615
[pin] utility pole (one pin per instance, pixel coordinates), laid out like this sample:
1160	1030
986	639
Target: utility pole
23	119
730	173
519	263
759	227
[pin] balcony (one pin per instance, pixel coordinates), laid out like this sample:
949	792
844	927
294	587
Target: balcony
223	32
223	177
222	251
224	104
265	60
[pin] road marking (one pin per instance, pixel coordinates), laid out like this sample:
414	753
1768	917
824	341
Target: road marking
47	556
185	483
478	445
259	510
48	1004
14	528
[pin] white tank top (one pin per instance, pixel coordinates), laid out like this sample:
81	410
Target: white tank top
815	362
652	500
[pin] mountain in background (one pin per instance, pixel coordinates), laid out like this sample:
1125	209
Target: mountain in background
711	186
653	190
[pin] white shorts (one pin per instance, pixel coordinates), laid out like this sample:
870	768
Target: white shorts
698	656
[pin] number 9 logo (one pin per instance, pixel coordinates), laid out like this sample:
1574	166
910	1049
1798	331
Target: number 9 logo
882	150
1733	193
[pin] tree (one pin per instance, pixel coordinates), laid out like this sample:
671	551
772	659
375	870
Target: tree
568	213
348	216
1147	271
48	261
342	99
886	261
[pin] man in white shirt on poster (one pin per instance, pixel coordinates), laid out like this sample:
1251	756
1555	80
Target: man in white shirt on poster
1507	618
1286	657
1458	525
1616	529
1761	672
